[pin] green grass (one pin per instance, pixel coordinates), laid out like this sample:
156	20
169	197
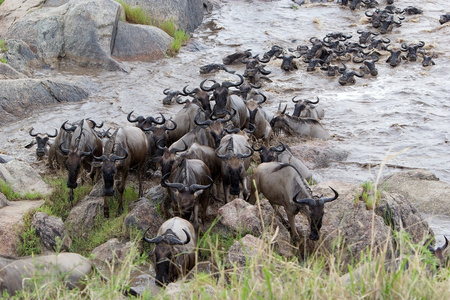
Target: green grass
370	195
3	45
29	241
1	1
136	15
11	195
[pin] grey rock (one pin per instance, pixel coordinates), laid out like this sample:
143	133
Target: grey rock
243	217
21	96
422	188
49	229
8	72
143	216
55	3
82	216
20	57
11	11
112	252
186	14
3	201
140	42
246	248
5	158
11	220
22	178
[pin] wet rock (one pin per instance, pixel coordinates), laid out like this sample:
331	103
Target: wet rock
50	229
349	227
82	31
22	178
140	42
243	217
400	214
3	201
186	14
82	217
10	11
55	3
318	154
20	57
143	216
422	188
8	72
5	158
11	221
157	194
20	97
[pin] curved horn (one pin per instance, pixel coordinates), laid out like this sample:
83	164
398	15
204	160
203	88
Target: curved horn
256	149
296	101
211	88
243	156
201	123
283	147
102	158
367	14
174	125
230	84
187	92
421	44
116	157
166	91
31	132
54	135
63	150
176	185
307	201
442	248
311	102
263	99
231	131
131	120
284	110
155	240
156	122
195	187
336	195
174	241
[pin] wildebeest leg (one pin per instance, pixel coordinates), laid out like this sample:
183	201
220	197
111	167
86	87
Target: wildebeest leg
105	207
121	189
196	224
245	189
226	190
71	197
291	217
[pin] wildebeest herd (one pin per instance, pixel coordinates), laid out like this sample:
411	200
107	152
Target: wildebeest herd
205	151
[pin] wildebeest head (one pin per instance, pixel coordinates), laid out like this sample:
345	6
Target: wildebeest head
171	95
109	170
201	96
186	197
316	211
439	253
444	18
164	256
159	135
288	63
221	94
300	105
41	140
411	50
167	161
73	164
235	168
237	56
269	154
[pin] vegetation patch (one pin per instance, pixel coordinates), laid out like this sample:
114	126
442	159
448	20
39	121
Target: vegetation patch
1	1
11	195
370	195
137	15
3	45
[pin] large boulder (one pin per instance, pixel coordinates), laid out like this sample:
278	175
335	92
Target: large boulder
140	42
186	14
3	201
351	228
82	31
422	188
12	10
22	96
50	229
22	178
8	72
143	216
20	57
11	222
242	217
82	217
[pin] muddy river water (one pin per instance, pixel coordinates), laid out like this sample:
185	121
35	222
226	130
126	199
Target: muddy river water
403	108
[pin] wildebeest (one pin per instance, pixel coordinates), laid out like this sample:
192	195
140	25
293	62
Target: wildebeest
235	152
347	76
308	109
304	127
41	140
84	145
369	64
237	56
214	68
427	59
283	154
395	58
55	156
288	63
225	102
174	252
190	181
171	95
15	272
411	50
263	130
127	148
365	35
283	185
444	18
